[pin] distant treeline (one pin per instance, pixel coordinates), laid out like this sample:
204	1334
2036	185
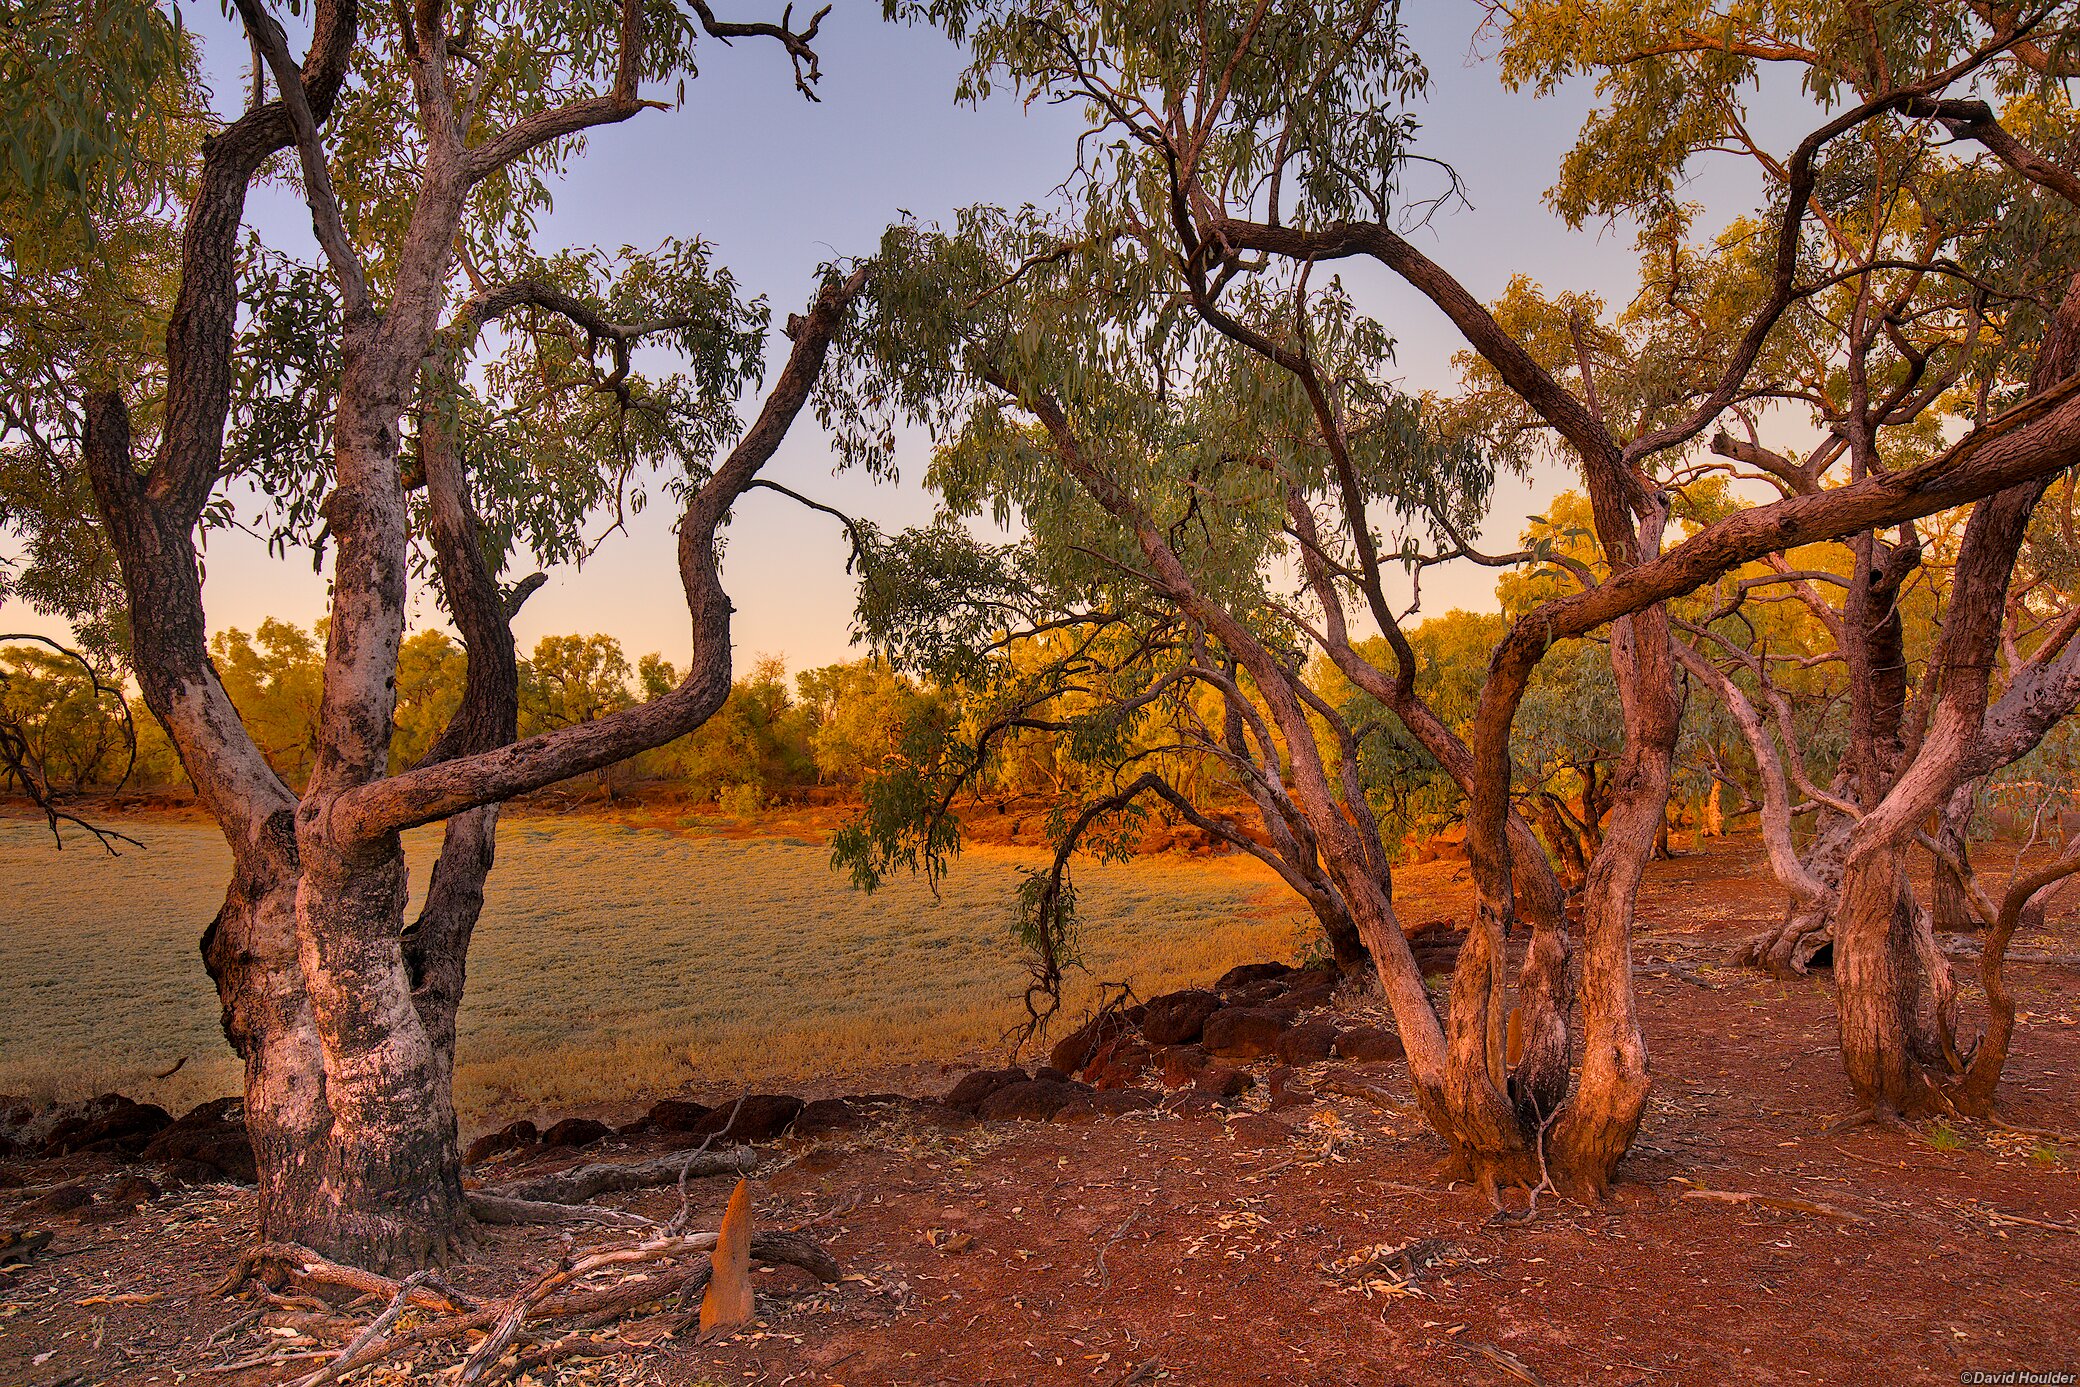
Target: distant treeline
835	728
823	727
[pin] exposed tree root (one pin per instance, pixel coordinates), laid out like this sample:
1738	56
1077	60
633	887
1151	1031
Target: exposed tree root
276	1265
1790	950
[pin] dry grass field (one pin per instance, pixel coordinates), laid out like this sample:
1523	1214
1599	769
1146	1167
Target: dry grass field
614	962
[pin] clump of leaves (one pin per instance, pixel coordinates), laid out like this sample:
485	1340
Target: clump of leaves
1946	1138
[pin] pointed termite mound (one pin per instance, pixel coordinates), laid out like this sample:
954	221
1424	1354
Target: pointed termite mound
729	1302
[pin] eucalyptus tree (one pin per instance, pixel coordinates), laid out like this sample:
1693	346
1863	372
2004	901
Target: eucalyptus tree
1044	639
356	397
1943	301
1237	186
1069	390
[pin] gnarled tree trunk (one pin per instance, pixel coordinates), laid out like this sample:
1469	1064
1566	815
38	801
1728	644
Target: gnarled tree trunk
1598	1125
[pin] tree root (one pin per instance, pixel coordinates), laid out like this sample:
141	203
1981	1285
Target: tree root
277	1264
1865	1117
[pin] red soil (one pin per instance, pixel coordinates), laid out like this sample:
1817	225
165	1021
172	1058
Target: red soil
1159	1248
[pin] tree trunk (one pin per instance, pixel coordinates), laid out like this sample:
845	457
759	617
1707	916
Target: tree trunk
250	951
1713	815
251	948
1874	966
1598	1125
392	1197
1952	901
1808	926
1565	846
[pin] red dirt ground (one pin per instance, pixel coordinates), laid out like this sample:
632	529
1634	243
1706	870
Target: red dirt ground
1197	1249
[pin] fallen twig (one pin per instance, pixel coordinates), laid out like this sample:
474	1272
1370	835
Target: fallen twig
1508	1362
1678	971
1105	1275
1771	1201
267	1360
1999	1217
554	1297
377	1329
1971	953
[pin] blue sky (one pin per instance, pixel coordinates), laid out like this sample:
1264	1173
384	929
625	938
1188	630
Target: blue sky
779	185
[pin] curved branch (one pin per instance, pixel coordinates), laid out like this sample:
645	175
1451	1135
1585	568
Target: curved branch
434	792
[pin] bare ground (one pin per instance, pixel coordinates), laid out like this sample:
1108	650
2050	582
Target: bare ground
1747	1243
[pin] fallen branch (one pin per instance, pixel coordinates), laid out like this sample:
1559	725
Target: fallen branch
1771	1201
377	1328
554	1297
1677	971
1971	954
598	1309
265	1360
1997	1216
1333	1082
580	1183
2050	1134
508	1212
1507	1361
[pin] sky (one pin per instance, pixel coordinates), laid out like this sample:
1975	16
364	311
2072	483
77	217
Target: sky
780	185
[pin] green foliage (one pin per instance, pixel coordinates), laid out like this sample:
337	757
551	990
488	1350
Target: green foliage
877	730
901	829
101	115
756	745
85	88
853	724
572	679
866	718
431	669
1232	65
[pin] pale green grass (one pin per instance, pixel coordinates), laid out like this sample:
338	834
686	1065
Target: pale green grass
613	963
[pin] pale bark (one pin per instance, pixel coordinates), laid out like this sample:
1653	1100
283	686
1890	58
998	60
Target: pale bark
344	1017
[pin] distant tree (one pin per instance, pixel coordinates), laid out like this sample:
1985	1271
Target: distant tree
432	670
65	729
864	715
756	744
572	679
275	678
